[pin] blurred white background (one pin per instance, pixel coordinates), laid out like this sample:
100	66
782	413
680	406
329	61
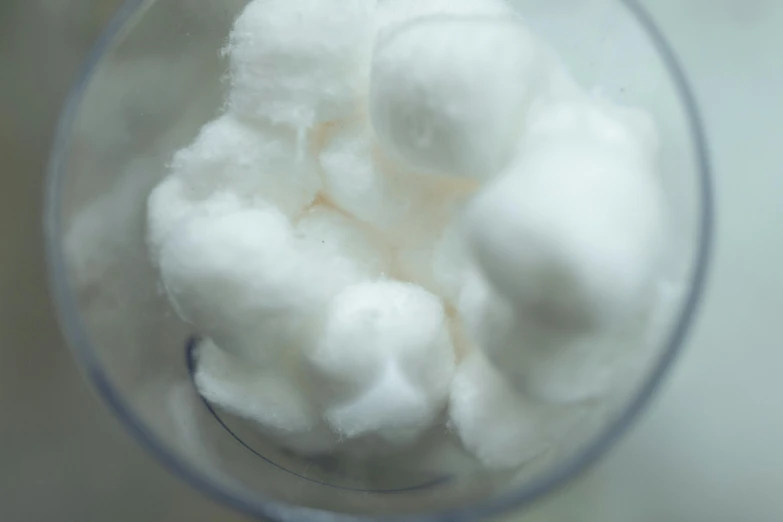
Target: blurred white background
709	449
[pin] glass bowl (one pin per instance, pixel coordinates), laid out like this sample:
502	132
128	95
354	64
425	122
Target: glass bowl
154	78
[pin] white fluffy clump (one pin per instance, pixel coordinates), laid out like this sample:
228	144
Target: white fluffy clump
439	261
502	428
414	212
167	207
539	361
232	160
626	132
574	371
344	250
409	215
489	319
572	232
450	94
239	275
299	62
393	13
359	179
384	361
254	284
252	161
451	264
276	398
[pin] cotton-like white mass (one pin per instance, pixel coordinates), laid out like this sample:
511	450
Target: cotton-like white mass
168	207
572	232
230	160
392	14
538	361
365	184
500	427
252	161
626	132
406	207
299	62
576	370
439	103
384	361
593	367
440	262
243	280
343	250
451	264
255	285
545	362
489	319
276	398
409	223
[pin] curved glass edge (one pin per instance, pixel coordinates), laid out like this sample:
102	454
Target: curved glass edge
76	336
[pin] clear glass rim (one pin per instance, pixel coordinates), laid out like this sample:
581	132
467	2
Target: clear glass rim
77	338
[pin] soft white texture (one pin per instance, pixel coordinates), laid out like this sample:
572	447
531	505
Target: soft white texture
252	161
343	249
595	367
365	183
241	279
410	210
360	182
547	363
230	160
440	262
392	13
539	361
167	205
573	371
247	280
354	182
451	264
572	232
171	206
489	320
569	114
450	94
353	138
384	361
274	397
301	62
500	427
